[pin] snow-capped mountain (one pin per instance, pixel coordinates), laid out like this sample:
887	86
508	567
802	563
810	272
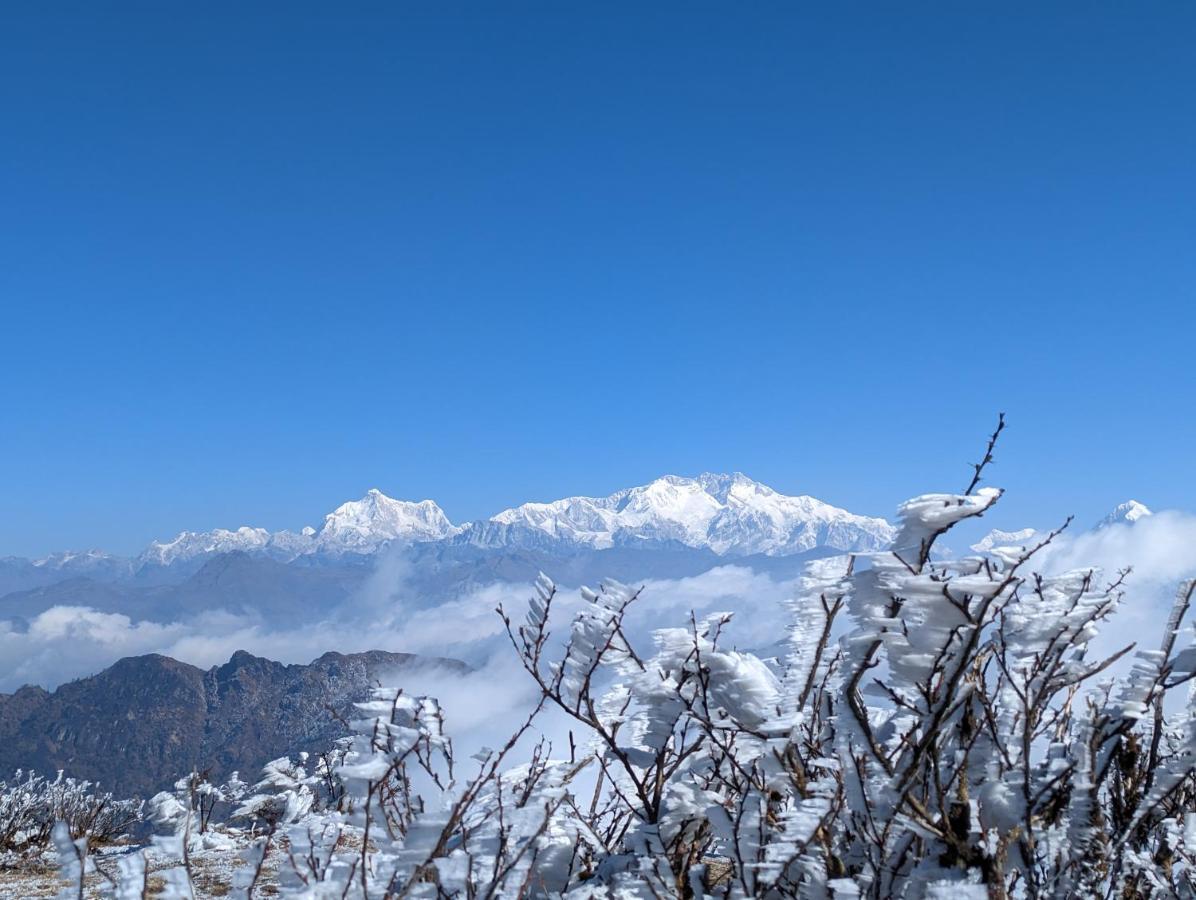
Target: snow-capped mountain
190	544
998	538
75	561
85	563
732	515
1126	513
362	526
728	515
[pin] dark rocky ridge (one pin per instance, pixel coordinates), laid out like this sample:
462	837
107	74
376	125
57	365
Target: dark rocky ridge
147	720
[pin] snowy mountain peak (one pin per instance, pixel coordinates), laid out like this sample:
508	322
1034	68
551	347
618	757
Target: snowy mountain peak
70	557
88	563
1128	513
722	486
359	526
190	544
729	514
364	525
997	538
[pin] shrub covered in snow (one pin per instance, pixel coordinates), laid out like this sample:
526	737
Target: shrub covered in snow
938	727
30	805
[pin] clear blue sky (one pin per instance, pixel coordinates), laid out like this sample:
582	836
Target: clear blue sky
257	258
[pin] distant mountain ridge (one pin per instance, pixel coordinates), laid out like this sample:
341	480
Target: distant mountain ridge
727	514
1126	513
147	720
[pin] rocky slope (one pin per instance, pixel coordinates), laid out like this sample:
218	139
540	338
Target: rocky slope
146	720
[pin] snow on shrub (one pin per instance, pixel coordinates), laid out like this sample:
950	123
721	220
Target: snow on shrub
30	805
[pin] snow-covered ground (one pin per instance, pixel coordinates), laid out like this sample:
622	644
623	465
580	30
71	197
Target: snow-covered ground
216	871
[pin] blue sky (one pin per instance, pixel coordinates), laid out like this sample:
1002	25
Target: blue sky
258	258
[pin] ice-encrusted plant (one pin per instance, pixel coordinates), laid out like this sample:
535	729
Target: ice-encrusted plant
31	805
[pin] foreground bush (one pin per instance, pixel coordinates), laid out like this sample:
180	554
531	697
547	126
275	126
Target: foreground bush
30	805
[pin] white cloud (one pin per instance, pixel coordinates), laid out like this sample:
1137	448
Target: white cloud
1161	549
67	642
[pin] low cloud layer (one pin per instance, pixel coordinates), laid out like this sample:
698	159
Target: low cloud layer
68	642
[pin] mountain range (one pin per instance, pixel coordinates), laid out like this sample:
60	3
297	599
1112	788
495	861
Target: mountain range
1123	514
671	527
727	515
